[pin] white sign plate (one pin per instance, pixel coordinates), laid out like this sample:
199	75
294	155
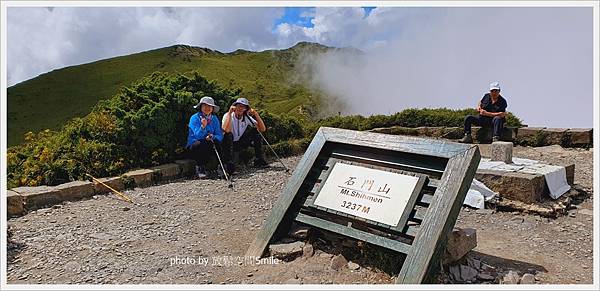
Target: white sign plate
368	193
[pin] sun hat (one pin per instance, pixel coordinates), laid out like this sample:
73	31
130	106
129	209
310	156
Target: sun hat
242	101
208	101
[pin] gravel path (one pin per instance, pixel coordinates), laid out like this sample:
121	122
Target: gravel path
105	240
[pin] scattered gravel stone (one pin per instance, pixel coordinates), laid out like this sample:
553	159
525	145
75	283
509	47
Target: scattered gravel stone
338	262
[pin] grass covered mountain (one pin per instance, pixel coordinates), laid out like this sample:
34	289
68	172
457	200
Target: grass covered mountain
267	78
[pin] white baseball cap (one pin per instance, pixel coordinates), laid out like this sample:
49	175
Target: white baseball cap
494	86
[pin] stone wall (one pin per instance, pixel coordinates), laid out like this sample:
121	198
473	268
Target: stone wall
529	136
20	200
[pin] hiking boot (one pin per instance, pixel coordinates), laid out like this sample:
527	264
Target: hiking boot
467	138
200	172
260	163
495	138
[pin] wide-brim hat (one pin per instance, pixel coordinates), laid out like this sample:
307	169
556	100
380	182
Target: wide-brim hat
208	101
242	101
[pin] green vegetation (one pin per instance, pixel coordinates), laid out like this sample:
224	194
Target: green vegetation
52	99
145	124
103	119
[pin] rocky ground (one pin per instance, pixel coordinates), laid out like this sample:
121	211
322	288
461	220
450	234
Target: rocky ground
195	232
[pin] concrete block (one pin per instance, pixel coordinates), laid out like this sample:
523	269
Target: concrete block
15	204
142	177
556	136
166	172
75	190
188	167
531	135
523	187
38	197
502	151
581	136
460	242
114	182
485	134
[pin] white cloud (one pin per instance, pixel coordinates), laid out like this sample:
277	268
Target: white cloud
41	39
415	57
446	58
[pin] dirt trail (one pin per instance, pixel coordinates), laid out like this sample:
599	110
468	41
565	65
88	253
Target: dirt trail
105	240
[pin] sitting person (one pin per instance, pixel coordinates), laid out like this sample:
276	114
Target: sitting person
241	125
204	130
492	113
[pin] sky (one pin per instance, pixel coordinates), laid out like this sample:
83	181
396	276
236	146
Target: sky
413	57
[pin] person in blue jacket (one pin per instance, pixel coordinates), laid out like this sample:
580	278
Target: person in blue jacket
204	129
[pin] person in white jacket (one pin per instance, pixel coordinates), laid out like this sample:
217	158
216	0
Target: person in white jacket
241	125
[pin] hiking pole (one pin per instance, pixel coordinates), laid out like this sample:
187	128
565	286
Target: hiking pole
221	163
267	142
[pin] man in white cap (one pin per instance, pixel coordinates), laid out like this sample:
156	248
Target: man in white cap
492	113
241	125
204	129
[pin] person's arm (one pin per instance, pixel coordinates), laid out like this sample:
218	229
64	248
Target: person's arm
260	124
198	131
227	120
501	113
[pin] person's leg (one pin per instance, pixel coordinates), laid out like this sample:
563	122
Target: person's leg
199	152
228	153
498	125
470	120
259	154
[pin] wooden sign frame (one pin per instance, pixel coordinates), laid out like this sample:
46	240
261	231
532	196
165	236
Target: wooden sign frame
445	170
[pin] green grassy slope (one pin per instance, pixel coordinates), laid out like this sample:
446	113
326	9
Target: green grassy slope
53	98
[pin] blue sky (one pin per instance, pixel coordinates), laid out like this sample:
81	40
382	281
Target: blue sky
303	16
297	15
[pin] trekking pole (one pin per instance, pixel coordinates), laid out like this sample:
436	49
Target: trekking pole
267	142
221	163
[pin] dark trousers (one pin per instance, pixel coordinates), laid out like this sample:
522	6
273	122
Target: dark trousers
497	123
250	137
202	151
